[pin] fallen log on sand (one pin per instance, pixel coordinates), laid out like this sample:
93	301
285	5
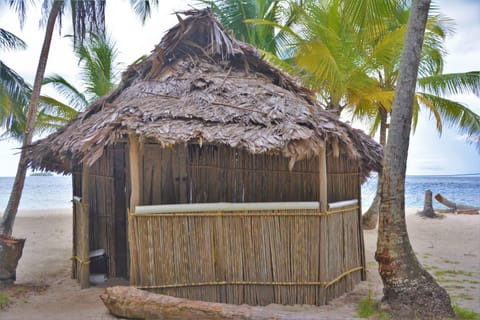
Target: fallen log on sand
128	302
458	208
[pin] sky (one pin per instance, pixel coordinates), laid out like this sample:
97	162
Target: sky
429	154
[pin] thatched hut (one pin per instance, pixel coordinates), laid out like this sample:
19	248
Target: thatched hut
209	174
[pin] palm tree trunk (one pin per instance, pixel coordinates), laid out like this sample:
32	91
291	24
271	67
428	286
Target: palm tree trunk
370	218
409	290
6	226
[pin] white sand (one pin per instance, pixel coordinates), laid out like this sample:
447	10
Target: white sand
451	244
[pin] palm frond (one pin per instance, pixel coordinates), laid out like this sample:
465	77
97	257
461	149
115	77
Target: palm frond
455	114
143	8
420	99
74	97
10	41
14	86
88	17
372	16
20	7
451	83
99	73
57	108
388	48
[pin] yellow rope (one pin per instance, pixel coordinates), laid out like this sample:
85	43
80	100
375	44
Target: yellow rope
324	284
77	258
343	275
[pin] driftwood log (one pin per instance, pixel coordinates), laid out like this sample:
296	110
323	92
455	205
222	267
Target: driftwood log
458	208
128	302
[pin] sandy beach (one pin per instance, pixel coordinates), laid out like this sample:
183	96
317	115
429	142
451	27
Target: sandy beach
449	248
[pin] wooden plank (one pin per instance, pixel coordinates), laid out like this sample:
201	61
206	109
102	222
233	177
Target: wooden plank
76	212
134	173
361	244
181	176
323	179
134	170
120	212
148	176
84	232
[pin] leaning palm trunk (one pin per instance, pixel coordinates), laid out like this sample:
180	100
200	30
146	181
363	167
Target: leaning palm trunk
370	218
409	290
6	226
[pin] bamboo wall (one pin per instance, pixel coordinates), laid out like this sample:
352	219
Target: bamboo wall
286	257
219	174
343	179
107	208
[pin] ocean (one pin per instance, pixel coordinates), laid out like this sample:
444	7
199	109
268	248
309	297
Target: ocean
462	189
55	192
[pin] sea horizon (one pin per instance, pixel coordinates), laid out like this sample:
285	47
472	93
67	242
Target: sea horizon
55	192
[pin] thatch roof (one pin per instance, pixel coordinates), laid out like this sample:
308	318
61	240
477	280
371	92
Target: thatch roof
200	85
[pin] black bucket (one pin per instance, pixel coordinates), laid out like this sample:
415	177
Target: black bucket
98	262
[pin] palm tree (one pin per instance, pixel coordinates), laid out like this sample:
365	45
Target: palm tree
244	17
14	91
99	75
348	51
87	17
410	290
54	9
433	87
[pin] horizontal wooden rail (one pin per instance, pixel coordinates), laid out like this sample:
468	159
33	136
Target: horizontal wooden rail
226	206
324	284
341	204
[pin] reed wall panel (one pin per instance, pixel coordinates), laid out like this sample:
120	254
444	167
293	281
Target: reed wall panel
107	209
257	258
120	211
343	179
213	173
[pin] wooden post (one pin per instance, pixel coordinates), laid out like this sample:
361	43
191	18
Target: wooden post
84	245
134	167
323	179
360	227
134	173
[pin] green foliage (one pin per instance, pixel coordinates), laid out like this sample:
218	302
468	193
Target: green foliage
454	286
234	13
465	314
463	296
451	261
143	8
349	53
449	272
14	91
5	301
369	308
99	75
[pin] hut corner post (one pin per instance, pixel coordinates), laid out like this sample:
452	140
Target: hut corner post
134	167
323	179
84	246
